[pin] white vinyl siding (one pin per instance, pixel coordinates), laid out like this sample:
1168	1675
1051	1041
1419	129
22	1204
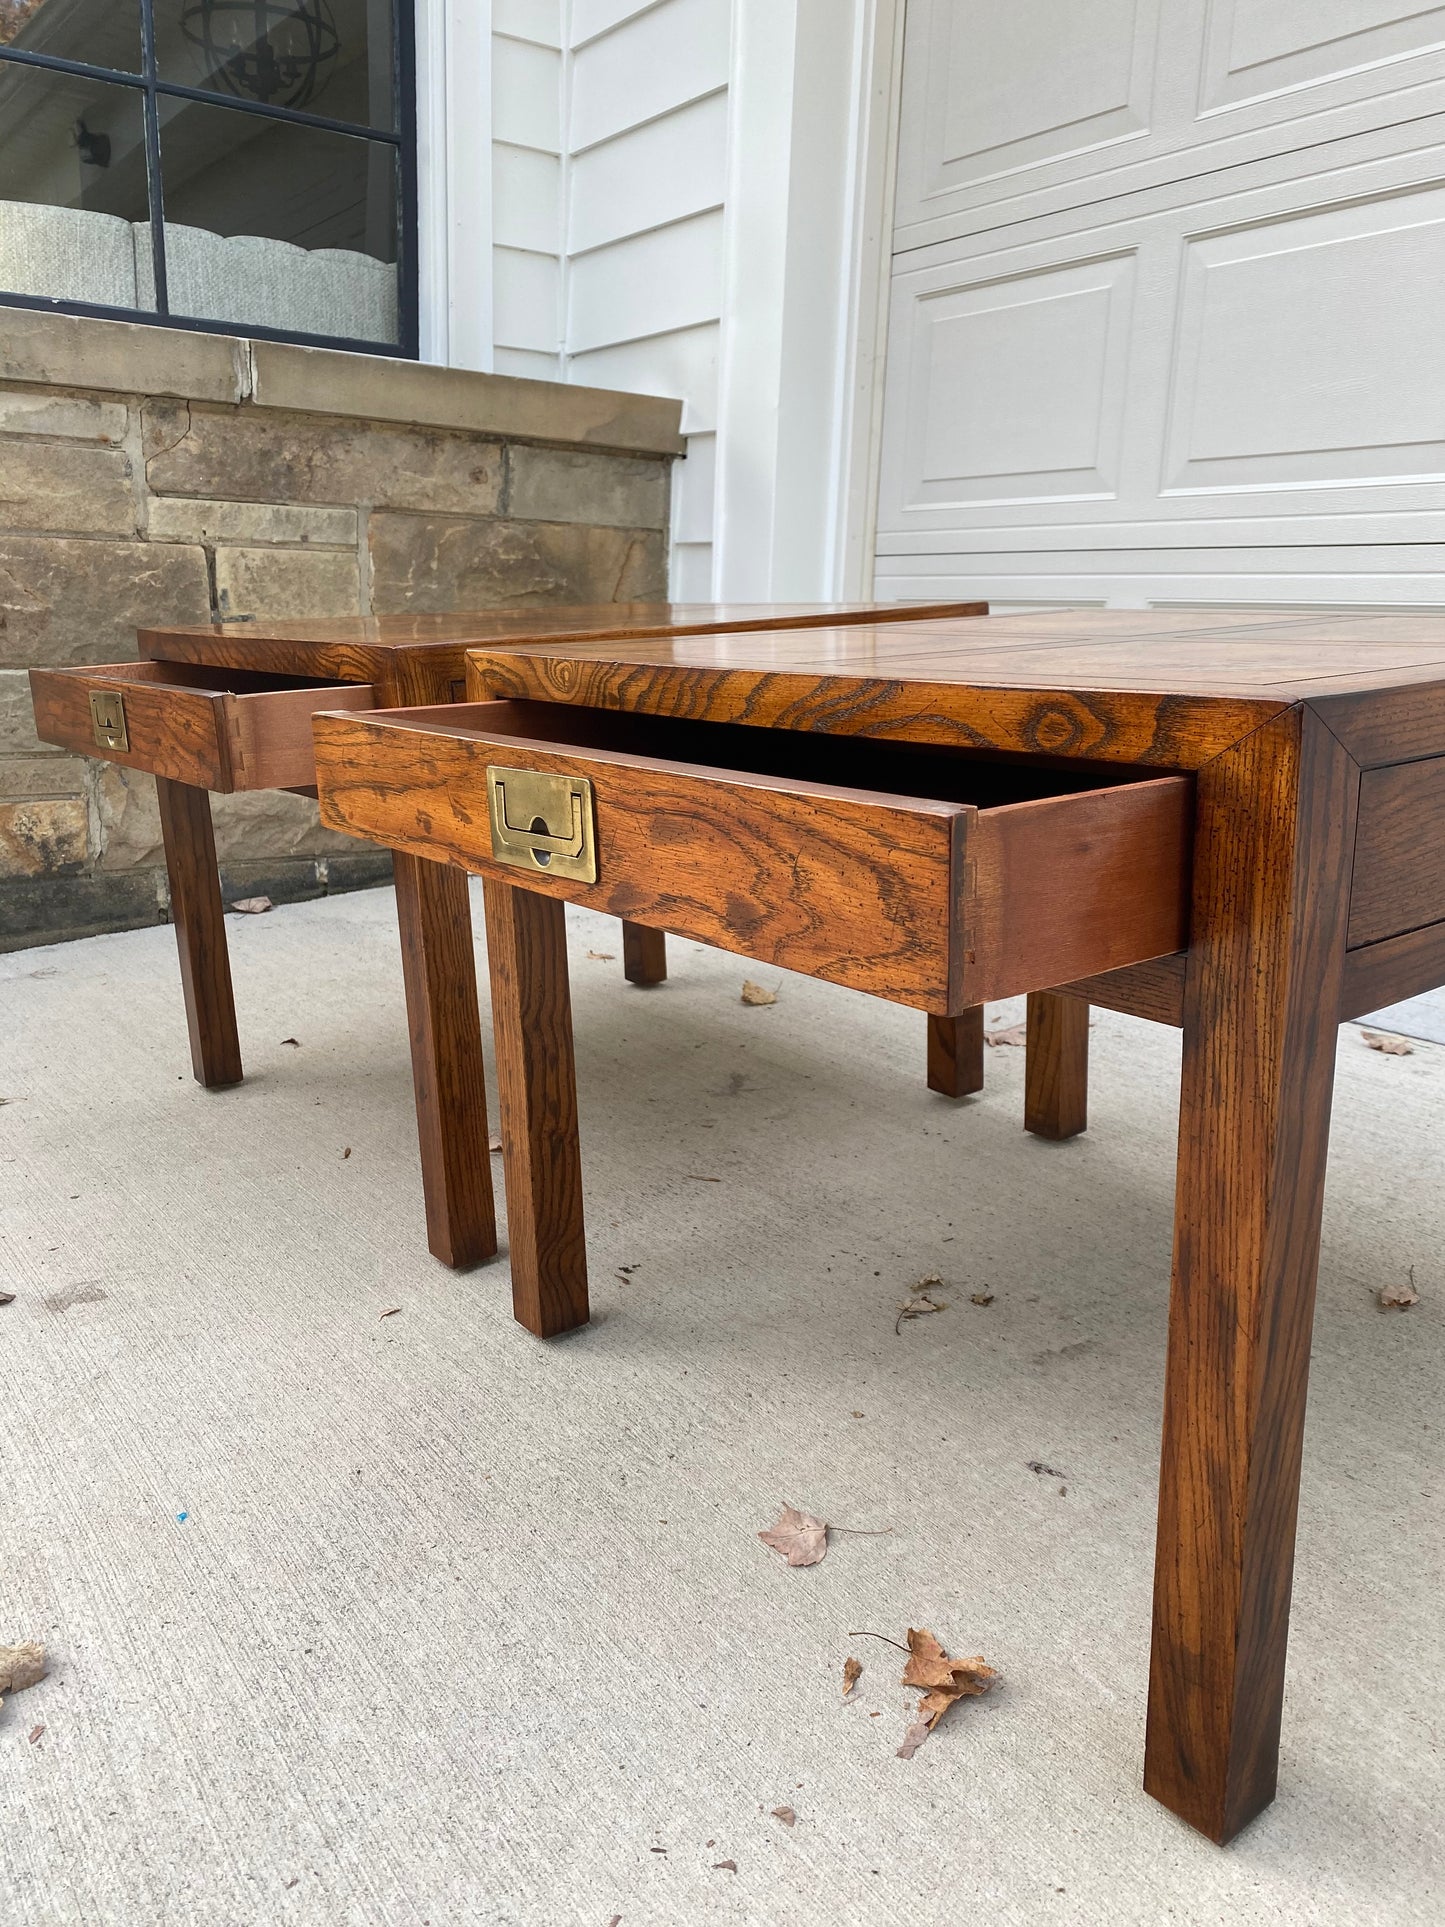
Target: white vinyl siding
527	187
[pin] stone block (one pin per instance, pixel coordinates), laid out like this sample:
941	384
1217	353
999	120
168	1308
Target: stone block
576	485
121	357
17	718
52	774
71	601
55	485
78	418
434	563
43	836
251	826
179	518
380	388
287	582
258	455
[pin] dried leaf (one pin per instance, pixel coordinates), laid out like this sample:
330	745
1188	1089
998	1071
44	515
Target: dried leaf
1045	1471
720	1866
602	956
1389	1046
698	1178
852	1673
252	906
347	1152
7	1297
755	994
21	1666
35	1733
800	1537
922	1302
1399	1297
786	1815
980	1297
494	1145
946	1682
1012	1034
294	1042
391	1311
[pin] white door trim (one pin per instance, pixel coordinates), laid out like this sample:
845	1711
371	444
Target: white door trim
808	212
454	181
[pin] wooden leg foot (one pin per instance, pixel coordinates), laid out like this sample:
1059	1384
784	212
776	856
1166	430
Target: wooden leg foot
1274	831
1056	1075
200	920
537	1093
439	968
955	1053
644	954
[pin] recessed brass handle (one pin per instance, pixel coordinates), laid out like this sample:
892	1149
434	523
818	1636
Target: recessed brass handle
107	719
541	821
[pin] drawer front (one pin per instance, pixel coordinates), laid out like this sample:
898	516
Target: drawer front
181	721
938	904
861	890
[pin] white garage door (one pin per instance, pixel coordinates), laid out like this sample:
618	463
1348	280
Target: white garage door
1168	304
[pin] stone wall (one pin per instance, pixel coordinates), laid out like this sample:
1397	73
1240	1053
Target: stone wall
149	476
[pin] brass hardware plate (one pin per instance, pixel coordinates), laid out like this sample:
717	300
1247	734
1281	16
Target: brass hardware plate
107	718
543	823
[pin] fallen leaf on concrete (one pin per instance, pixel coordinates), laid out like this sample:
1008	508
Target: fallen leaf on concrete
391	1311
946	1682
347	1152
1390	1046
755	994
35	1733
922	1302
602	956
852	1673
980	1297
786	1815
1399	1297
20	1666
252	906
494	1144
698	1178
7	1297
1012	1034
724	1866
294	1042
800	1537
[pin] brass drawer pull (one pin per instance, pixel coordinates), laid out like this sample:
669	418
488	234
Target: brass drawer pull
543	822
107	719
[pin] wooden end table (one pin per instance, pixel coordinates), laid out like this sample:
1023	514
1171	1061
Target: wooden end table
229	707
1226	822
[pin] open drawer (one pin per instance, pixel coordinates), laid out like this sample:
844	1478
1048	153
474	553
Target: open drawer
932	876
221	729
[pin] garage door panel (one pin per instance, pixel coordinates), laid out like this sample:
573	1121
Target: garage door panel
1012	388
1291	369
1014	112
1257	48
1011	87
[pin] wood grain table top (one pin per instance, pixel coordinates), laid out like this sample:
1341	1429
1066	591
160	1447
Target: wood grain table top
1151	686
361	648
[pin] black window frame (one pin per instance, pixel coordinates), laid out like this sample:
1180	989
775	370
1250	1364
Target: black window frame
149	84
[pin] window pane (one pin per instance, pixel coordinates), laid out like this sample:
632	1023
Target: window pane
330	57
74	218
274	225
103	33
